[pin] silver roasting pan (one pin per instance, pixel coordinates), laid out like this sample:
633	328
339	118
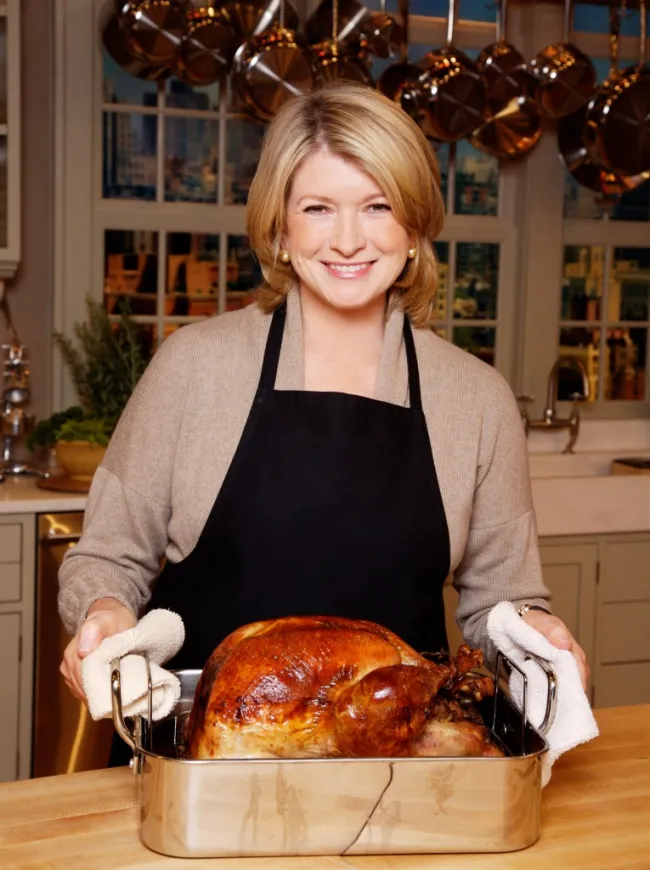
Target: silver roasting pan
336	806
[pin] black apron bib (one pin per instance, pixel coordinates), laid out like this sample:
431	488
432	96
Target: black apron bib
331	506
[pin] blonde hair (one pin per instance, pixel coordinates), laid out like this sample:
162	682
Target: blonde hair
364	127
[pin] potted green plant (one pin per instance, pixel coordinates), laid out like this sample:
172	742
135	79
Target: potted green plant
106	361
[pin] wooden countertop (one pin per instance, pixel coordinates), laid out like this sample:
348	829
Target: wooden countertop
596	815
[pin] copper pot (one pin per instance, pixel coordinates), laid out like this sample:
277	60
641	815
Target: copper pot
566	76
577	144
117	46
513	126
381	35
271	68
153	28
617	132
452	98
334	61
250	18
208	46
351	16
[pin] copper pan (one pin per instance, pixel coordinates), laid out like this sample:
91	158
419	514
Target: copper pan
115	42
453	99
581	161
334	60
252	17
566	76
271	68
208	46
351	16
382	35
504	68
618	123
513	127
153	28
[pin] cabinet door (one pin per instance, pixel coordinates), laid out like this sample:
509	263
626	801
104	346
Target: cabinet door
571	574
623	644
9	694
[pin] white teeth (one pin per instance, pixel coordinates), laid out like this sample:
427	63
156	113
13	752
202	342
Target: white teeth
355	267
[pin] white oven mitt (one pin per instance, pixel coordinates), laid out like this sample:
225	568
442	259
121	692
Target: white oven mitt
161	634
574	722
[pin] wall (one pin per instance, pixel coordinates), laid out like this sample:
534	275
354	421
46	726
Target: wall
31	295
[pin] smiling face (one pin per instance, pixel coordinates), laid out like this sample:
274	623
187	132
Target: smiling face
345	245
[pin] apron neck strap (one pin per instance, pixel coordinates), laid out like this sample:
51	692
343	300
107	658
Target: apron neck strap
274	346
415	398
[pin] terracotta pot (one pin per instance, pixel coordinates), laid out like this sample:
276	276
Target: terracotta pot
79	459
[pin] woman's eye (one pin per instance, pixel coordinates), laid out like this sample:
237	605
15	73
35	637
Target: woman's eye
315	209
379	208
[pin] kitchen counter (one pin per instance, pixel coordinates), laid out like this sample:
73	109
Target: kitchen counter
595	815
20	495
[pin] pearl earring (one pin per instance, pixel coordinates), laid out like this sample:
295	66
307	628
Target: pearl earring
284	256
411	253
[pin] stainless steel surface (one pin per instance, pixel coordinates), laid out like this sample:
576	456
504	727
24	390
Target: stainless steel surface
66	740
226	808
550	421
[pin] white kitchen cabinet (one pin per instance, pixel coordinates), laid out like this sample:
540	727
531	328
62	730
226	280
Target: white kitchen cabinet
9	137
17	573
601	589
571	574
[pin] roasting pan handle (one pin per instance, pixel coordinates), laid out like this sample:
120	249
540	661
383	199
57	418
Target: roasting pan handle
551	694
132	737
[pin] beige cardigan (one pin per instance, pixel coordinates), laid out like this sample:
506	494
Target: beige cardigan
177	437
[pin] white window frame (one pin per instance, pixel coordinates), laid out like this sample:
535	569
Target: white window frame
82	216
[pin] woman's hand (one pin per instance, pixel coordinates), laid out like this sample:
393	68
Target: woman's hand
106	617
555	631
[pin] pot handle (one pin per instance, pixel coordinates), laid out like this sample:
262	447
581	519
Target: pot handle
551	695
131	736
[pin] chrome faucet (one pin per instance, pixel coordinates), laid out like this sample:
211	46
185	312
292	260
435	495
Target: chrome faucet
550	421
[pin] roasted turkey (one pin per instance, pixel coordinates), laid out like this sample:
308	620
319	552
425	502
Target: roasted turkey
318	687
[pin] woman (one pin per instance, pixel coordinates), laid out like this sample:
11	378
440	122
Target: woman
322	451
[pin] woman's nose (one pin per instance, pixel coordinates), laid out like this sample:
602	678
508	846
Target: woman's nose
347	237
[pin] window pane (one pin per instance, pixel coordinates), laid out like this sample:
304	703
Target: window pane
179	95
191	160
582	286
627	354
629	286
476	180
130	271
192	281
471	10
594	18
583	344
119	86
243	272
442	253
129	156
477	281
478	340
243	143
580	202
442	153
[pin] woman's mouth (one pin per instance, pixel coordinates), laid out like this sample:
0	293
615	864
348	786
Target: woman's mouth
349	270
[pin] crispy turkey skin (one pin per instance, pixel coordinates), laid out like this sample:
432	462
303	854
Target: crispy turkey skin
319	687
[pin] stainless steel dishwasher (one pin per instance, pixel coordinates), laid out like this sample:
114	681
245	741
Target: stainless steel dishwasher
65	738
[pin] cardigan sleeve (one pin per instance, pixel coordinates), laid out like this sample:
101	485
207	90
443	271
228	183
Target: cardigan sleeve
501	559
125	530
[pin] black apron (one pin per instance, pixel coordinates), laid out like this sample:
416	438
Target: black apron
331	506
